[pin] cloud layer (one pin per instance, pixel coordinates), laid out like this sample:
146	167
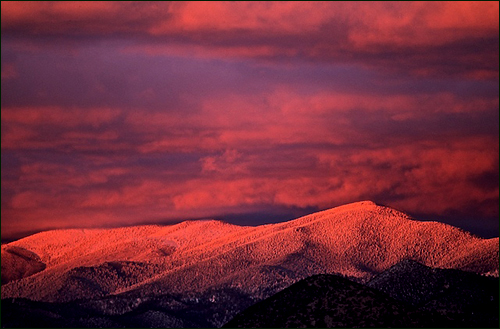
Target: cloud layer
123	113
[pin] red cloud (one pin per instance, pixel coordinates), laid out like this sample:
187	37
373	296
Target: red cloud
419	172
68	117
380	23
442	37
144	138
9	71
426	177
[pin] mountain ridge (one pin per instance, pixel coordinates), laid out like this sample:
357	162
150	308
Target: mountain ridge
407	294
358	240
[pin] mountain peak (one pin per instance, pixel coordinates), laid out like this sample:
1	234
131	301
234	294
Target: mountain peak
359	240
365	205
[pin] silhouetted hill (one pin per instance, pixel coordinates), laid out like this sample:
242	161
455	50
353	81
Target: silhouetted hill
408	294
209	309
465	297
423	297
449	298
328	301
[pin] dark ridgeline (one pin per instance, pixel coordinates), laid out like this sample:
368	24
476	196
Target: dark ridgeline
408	294
329	301
464	297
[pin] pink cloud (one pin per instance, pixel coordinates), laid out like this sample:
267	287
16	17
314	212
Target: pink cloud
291	17
397	35
68	117
104	17
138	194
283	115
423	176
130	112
9	71
26	127
422	23
50	175
226	163
14	137
418	172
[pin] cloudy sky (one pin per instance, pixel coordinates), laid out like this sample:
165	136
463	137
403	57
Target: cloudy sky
131	113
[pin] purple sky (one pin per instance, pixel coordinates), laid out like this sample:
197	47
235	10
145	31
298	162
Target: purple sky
129	113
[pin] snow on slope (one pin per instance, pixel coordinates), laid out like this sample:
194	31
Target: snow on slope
19	263
358	240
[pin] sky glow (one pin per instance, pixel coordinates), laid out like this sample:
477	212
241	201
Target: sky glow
125	113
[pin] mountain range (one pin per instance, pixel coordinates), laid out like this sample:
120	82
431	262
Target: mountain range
408	294
204	272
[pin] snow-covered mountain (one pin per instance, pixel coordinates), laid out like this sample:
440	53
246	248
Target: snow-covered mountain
192	258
